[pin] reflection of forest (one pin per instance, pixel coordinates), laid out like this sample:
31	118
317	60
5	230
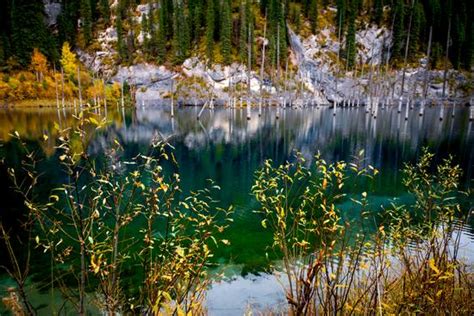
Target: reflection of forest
226	134
33	123
387	141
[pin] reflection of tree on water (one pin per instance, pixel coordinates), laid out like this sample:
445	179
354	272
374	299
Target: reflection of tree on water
388	141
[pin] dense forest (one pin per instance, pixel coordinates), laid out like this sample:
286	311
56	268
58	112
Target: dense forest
226	31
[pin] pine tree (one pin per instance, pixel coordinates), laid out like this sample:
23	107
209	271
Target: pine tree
167	7
243	33
105	10
378	11
66	22
468	47
417	24
306	8
180	33
29	31
121	49
145	32
398	29
340	15
226	31
161	38
350	36
86	17
313	15
210	23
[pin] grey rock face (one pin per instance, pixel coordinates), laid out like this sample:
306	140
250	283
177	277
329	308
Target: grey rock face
142	74
52	9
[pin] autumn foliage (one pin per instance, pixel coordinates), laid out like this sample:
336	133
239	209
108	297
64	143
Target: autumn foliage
43	81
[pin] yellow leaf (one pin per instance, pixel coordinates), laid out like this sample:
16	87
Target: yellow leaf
93	121
433	266
180	311
180	251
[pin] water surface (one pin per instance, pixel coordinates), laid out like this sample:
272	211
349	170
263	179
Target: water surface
226	147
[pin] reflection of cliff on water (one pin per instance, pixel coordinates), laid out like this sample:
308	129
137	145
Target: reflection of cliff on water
33	123
387	141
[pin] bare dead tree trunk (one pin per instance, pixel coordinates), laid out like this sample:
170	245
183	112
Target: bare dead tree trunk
406	48
262	66
79	86
62	87
428	53
446	57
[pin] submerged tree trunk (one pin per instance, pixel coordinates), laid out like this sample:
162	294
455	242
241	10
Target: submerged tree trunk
406	47
428	53
446	58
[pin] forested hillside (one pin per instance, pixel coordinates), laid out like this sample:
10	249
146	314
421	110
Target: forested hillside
169	31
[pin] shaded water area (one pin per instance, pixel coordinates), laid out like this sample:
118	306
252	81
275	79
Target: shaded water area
226	147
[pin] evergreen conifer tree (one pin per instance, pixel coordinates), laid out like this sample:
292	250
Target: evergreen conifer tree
105	10
378	11
313	15
121	49
180	33
350	37
161	37
210	23
86	17
226	31
398	29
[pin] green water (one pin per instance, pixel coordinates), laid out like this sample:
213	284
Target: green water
226	147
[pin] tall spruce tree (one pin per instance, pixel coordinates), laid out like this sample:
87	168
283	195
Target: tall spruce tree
121	48
210	23
86	18
398	29
180	33
243	33
28	31
104	10
340	15
313	15
378	11
226	32
416	30
350	36
145	33
161	37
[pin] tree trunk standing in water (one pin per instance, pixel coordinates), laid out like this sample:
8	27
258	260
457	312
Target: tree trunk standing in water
249	69
338	56
172	98
406	48
121	95
62	87
56	86
428	53
105	94
446	58
262	66
79	86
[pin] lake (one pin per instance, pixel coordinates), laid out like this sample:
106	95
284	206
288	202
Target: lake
226	147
